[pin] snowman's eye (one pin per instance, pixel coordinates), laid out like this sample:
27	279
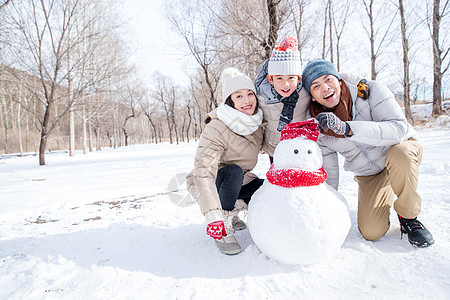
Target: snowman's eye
309	151
295	151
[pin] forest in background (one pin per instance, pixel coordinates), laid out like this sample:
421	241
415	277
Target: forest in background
67	80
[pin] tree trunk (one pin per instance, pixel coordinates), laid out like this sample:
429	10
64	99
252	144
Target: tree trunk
437	62
110	138
155	134
124	128
213	101
19	130
98	144
70	95
4	120
189	122
13	124
45	132
274	25
373	57
338	60
42	147
84	130
90	146
19	127
406	83
324	38
330	20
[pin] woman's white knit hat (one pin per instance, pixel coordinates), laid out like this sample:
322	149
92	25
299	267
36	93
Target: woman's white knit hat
285	58
232	80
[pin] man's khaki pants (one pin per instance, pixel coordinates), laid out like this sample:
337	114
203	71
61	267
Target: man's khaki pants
376	192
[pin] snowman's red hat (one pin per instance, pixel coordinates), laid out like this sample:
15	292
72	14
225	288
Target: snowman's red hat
306	129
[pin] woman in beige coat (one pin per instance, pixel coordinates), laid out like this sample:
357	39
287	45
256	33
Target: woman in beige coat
227	152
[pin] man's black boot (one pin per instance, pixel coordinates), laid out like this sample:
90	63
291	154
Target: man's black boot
418	235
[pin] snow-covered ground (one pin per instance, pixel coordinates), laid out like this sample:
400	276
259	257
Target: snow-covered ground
103	226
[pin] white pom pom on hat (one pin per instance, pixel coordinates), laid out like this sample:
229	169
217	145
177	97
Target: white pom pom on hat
232	80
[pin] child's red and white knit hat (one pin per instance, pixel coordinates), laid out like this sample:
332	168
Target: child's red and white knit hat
285	58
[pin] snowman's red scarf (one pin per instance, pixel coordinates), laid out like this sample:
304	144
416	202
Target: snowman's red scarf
296	177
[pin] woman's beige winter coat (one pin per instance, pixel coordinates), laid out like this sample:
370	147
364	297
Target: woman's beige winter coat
218	147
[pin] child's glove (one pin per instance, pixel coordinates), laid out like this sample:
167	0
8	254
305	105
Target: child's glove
363	89
328	120
216	230
215	227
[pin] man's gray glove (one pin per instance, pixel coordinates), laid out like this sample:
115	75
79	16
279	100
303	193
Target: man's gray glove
328	120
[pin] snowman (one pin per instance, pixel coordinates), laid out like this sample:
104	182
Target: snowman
295	217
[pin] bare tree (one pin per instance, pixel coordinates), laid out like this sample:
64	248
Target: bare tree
274	26
99	75
251	26
330	25
99	63
340	16
240	33
50	31
248	30
172	99
197	110
164	93
195	25
43	27
150	110
304	30
380	23
440	52
190	112
406	82
72	49
4	117
325	26
131	96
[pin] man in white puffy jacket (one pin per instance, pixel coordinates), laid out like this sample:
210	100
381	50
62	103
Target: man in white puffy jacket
378	146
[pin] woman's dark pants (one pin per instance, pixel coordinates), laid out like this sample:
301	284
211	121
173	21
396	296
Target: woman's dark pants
229	186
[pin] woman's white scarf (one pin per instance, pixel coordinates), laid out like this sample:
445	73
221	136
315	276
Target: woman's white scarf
237	121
